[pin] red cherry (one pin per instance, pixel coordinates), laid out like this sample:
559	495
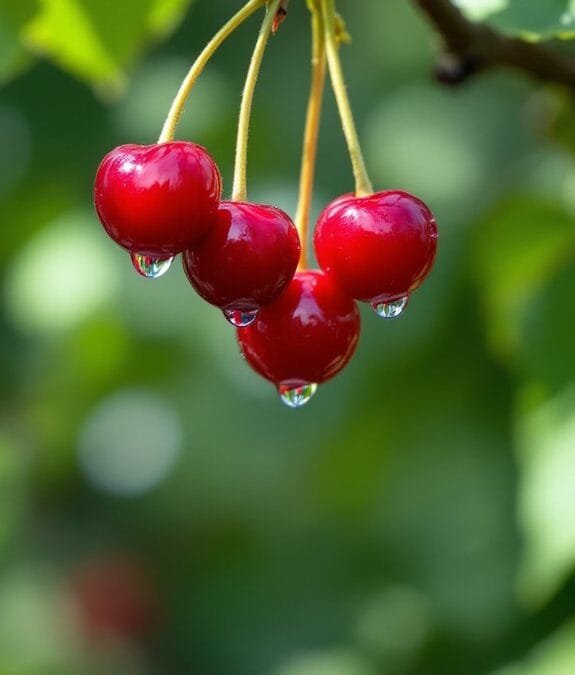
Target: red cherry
246	260
158	199
114	598
379	248
304	337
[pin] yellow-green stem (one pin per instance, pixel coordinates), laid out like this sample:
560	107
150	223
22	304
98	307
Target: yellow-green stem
363	184
169	128
239	190
311	135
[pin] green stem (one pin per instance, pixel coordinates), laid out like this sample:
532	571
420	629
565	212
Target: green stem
363	184
312	125
239	190
177	107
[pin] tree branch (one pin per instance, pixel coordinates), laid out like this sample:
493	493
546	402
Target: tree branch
473	47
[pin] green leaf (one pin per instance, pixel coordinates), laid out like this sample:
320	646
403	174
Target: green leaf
166	14
555	656
547	331
531	19
546	453
99	40
518	250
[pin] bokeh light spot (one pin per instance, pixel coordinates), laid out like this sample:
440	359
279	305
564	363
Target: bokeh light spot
63	275
481	9
421	141
151	92
335	662
36	633
394	623
129	443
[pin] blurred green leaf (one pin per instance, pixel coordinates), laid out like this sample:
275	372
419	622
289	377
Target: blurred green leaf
519	248
532	19
108	36
555	656
546	451
165	15
547	332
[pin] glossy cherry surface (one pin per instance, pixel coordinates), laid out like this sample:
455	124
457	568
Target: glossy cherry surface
305	336
378	248
247	258
159	199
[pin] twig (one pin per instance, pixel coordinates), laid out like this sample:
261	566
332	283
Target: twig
473	47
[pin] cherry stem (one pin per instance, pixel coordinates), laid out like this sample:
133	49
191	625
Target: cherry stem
363	184
177	107
239	189
311	134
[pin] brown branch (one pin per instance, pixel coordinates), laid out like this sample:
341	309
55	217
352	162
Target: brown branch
472	47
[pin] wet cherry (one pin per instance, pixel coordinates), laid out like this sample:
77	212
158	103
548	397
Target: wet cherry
159	199
245	261
379	248
304	337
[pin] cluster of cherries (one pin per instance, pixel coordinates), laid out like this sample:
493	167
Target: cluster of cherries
296	327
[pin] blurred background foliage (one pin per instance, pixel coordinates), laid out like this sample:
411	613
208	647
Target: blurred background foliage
160	511
533	19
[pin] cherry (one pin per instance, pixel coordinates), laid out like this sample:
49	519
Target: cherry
306	336
115	598
245	261
157	200
379	248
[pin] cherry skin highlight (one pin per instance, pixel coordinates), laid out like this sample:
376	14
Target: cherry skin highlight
247	258
305	336
158	199
379	248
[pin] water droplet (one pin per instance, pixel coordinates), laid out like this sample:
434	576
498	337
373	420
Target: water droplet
390	310
149	266
296	397
240	318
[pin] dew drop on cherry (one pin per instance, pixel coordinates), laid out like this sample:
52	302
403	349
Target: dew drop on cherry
149	266
390	310
296	397
240	318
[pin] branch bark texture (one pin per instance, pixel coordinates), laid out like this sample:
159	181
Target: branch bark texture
473	47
